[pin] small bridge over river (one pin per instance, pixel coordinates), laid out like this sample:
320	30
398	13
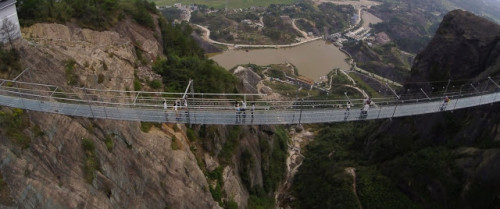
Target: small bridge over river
219	108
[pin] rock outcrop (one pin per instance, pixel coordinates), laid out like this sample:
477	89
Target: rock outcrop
465	46
134	169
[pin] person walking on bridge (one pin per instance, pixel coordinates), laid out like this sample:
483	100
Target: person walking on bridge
177	103
252	108
165	107
237	108
445	103
366	107
244	108
348	105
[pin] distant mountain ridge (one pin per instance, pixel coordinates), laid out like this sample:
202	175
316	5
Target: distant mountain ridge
486	8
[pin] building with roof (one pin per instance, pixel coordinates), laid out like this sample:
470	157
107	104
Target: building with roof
8	11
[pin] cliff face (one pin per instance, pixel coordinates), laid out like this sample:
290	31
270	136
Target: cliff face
55	161
128	167
465	46
442	160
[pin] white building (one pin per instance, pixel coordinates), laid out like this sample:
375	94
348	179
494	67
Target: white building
8	11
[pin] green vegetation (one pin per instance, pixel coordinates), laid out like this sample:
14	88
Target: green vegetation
186	60
141	12
377	191
363	85
91	163
5	197
173	144
338	78
171	13
2	182
244	26
384	60
273	159
231	204
228	149
155	84
191	135
37	131
14	122
326	159
99	15
247	163
260	201
108	140
100	78
146	126
289	90
417	19
206	134
216	190
405	163
273	166
137	84
9	60
69	69
222	3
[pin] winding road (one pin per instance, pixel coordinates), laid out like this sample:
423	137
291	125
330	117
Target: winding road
206	37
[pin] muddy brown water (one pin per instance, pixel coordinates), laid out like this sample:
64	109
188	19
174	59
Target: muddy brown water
313	59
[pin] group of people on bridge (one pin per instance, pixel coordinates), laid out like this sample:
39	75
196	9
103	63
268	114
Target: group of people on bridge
364	109
242	110
179	105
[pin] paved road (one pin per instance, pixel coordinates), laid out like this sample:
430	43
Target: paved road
206	36
227	116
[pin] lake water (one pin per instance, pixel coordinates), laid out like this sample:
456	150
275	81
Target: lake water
313	59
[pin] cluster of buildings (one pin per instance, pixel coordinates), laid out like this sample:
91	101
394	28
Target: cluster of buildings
253	24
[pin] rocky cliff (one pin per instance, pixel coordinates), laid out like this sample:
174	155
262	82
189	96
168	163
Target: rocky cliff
443	160
132	169
465	46
55	161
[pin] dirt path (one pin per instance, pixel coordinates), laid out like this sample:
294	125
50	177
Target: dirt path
352	171
365	95
304	34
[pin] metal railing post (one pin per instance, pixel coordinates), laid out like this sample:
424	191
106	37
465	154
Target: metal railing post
300	117
425	94
19	93
498	86
455	106
447	85
392	90
88	102
393	113
137	96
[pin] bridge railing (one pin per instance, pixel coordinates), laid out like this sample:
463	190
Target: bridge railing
199	104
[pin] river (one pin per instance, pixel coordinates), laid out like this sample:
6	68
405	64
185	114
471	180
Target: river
313	59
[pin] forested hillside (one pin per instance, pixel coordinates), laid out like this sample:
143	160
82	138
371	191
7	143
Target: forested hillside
444	160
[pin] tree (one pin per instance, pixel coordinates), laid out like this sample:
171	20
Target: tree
8	31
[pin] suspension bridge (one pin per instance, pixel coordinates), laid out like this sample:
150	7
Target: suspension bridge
219	108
